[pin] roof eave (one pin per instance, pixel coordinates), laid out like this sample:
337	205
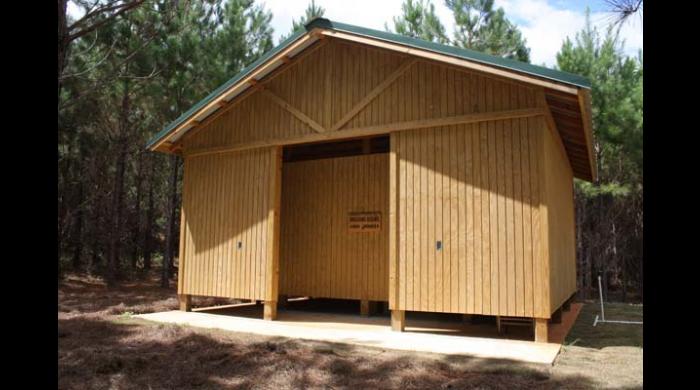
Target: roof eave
317	28
210	103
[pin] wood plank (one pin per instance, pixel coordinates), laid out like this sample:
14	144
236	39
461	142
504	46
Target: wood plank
541	230
551	125
273	231
217	102
452	60
373	94
541	332
584	98
393	223
185	301
370	130
398	320
270	311
293	110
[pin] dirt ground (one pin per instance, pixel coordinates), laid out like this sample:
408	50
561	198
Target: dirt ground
102	347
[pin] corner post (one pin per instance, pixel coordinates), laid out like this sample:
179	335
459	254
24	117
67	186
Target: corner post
540	330
394	301
185	302
270	310
398	320
273	234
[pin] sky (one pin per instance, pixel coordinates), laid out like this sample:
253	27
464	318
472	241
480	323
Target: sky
544	23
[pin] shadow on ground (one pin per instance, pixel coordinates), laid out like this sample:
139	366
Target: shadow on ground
98	352
100	347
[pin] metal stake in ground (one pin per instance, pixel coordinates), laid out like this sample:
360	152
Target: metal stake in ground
602	310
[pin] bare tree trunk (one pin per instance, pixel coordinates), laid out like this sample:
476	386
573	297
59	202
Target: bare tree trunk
589	269
115	234
96	232
147	243
117	193
78	229
136	232
62	40
172	195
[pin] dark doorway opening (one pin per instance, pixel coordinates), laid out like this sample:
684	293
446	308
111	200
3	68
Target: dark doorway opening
344	148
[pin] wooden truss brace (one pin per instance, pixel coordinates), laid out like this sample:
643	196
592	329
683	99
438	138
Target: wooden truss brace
255	86
374	130
551	125
374	93
293	110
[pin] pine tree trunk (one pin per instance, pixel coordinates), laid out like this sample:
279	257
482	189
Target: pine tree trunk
147	242
62	40
78	230
589	270
169	239
96	232
136	232
117	192
115	234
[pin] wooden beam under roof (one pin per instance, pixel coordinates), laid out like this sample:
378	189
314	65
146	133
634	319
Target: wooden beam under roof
214	103
373	130
513	74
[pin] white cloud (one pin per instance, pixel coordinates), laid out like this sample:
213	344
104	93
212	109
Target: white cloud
546	27
544	24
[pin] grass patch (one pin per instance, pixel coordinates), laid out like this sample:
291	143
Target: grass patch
584	334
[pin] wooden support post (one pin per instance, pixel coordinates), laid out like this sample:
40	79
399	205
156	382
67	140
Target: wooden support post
556	317
273	236
540	330
270	310
364	308
398	320
185	302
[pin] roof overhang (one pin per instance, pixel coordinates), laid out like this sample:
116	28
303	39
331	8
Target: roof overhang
567	95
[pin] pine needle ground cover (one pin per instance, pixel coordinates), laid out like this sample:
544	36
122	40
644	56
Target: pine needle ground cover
102	346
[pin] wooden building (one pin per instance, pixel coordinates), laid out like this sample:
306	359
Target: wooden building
358	164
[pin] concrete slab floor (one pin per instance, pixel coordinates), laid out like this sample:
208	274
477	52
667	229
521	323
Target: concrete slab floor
425	332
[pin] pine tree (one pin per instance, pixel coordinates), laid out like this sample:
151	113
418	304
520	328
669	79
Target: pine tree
480	27
419	20
609	211
312	11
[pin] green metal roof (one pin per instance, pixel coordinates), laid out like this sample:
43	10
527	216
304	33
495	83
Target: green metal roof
467	54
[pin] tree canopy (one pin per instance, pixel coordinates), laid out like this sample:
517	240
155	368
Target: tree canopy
126	68
478	26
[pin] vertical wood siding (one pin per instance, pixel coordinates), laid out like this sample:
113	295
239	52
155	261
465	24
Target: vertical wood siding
227	199
475	189
559	199
319	257
507	233
329	82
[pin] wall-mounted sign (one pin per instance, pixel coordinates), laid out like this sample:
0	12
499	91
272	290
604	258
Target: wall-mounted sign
364	221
